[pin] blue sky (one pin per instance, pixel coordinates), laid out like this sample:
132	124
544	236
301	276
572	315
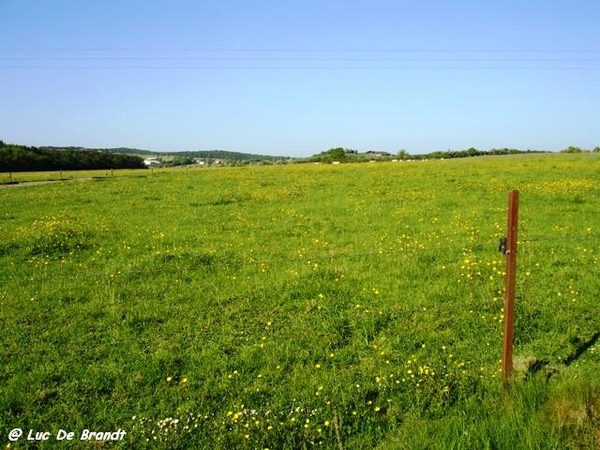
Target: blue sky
299	77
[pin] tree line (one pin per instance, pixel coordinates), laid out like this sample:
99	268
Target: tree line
341	154
183	155
20	158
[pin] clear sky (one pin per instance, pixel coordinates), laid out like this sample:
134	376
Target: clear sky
299	77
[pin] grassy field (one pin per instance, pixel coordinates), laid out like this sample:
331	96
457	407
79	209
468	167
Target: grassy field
291	307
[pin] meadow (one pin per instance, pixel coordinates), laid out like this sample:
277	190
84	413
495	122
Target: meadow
354	306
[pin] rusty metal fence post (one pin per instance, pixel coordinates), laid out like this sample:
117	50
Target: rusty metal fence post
509	246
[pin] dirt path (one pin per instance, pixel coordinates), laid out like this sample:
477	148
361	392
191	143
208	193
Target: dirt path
38	183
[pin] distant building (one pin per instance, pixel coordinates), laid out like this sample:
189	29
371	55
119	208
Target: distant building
378	154
152	162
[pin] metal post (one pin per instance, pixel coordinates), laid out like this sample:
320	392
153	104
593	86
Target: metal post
509	284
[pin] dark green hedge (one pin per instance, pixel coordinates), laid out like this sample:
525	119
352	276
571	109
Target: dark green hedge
19	158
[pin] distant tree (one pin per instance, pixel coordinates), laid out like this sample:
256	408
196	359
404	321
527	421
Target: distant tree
333	154
472	152
180	161
337	154
596	150
572	149
403	154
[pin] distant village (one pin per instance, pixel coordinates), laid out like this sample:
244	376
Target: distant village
157	161
346	155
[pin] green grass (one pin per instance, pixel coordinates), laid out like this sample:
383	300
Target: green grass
340	307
